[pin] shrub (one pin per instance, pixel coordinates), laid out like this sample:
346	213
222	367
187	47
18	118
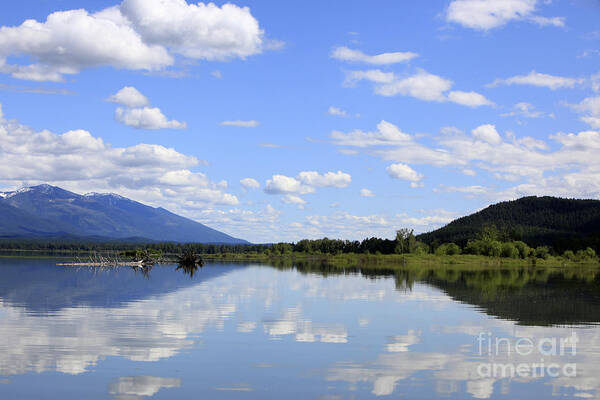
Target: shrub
474	247
509	250
524	250
448	249
569	255
590	253
542	252
421	248
492	248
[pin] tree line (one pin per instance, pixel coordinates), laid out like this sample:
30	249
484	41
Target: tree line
490	242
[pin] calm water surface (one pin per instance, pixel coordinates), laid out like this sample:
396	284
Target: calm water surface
260	332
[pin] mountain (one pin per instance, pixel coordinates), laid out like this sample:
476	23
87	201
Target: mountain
49	211
561	223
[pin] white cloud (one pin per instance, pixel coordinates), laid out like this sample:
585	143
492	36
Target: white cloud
337	179
538	79
558	22
346	54
250	183
524	109
372	75
595	81
366	193
336	111
472	190
403	171
138	115
281	184
469	99
487	133
217	74
422	85
591	107
386	134
405	148
146	118
488	14
241	124
571	169
594	122
198	31
342	224
130	97
69	41
293	199
306	182
78	161
135	35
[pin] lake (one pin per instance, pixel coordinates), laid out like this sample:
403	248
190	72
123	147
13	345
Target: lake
246	331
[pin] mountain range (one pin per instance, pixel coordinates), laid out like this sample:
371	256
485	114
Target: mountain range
564	224
46	211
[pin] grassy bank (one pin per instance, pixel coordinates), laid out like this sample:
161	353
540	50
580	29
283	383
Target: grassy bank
401	260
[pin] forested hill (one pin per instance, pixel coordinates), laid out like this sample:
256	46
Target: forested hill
560	223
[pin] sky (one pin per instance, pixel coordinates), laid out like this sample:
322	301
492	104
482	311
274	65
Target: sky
277	121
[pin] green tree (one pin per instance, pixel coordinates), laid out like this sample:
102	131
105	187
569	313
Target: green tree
448	249
509	250
542	252
524	250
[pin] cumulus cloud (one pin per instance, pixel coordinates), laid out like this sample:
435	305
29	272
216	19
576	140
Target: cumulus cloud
306	182
386	134
469	99
130	97
570	169
146	118
249	183
590	107
138	115
404	172
281	184
389	135
366	193
489	14
540	80
337	179
241	124
76	160
487	133
135	35
346	54
422	85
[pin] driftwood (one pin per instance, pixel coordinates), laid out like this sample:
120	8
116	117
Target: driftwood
103	264
98	260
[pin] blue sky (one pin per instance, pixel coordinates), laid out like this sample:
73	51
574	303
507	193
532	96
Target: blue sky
286	120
